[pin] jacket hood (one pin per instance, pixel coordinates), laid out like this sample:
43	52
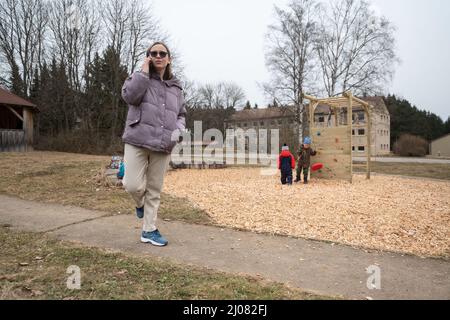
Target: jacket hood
285	153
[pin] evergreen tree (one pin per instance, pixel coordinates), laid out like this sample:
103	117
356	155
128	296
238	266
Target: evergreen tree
447	126
35	87
408	119
17	85
96	97
113	77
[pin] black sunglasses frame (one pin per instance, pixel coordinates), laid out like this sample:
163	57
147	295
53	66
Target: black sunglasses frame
154	54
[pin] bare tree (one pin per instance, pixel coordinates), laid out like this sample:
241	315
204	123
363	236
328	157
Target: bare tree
355	48
91	32
22	29
142	30
116	15
290	56
212	103
234	95
207	96
191	94
70	21
221	95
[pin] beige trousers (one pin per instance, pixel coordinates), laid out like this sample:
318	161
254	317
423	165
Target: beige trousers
143	180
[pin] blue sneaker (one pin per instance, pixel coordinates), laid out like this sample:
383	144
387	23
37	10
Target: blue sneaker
154	238
140	212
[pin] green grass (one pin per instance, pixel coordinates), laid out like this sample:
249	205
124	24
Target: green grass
424	170
34	266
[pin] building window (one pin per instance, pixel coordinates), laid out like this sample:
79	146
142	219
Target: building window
280	121
272	122
255	124
361	116
245	124
353	132
361	149
353	148
321	119
361	132
261	123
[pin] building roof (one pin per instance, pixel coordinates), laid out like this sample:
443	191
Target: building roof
444	136
7	97
376	101
278	112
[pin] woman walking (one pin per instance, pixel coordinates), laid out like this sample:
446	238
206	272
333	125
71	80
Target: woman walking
156	117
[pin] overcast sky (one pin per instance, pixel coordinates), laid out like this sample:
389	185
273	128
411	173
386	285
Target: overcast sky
223	40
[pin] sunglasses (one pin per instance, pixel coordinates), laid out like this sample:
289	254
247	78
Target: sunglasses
154	54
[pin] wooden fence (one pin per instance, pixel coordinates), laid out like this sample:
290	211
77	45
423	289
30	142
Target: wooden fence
12	140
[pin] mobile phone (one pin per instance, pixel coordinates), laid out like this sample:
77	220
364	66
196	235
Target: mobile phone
150	63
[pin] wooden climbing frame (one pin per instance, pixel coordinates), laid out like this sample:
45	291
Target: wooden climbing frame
334	144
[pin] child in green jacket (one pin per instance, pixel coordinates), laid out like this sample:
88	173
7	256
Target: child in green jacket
304	159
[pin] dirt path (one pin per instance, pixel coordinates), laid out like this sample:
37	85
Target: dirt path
311	265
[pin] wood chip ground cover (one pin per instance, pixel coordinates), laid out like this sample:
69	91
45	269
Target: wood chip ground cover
387	213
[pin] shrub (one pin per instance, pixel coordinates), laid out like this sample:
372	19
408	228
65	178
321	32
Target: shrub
411	146
80	142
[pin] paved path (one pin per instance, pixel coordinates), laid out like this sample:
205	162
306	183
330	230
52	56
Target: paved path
310	265
404	160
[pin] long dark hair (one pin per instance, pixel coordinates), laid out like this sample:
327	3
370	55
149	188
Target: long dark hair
168	72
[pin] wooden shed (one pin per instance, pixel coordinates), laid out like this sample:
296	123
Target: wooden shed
16	122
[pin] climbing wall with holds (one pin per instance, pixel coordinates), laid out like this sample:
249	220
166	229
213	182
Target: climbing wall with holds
334	151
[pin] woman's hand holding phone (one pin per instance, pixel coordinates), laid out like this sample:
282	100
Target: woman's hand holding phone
146	65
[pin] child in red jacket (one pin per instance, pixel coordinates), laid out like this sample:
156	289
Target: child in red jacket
286	163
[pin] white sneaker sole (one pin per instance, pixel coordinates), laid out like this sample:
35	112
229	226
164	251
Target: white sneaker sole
145	240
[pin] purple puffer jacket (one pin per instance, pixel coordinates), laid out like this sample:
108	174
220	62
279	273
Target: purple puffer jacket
156	112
